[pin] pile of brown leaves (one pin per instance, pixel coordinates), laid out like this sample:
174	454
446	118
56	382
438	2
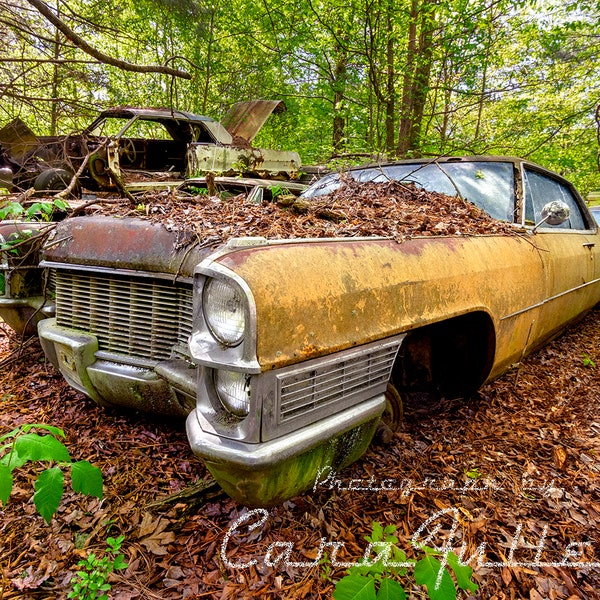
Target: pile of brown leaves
392	209
517	468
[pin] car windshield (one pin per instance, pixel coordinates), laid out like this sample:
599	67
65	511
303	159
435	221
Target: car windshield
489	185
130	127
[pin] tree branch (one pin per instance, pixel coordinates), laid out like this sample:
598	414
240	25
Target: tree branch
104	58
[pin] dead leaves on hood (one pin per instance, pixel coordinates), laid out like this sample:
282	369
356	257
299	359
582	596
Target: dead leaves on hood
356	209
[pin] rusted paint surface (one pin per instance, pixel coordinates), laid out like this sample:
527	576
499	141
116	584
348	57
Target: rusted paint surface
571	262
228	160
123	244
8	228
22	302
320	297
245	119
17	139
23	155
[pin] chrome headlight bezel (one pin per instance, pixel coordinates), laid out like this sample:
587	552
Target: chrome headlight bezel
238	417
223	311
233	390
236	353
217	418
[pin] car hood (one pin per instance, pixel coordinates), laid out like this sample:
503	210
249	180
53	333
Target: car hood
124	243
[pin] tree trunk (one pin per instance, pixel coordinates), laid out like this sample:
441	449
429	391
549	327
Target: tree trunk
339	90
390	104
417	72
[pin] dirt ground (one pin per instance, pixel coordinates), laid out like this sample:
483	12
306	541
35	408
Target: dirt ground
513	472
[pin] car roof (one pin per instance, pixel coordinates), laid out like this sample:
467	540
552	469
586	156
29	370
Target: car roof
442	159
153	114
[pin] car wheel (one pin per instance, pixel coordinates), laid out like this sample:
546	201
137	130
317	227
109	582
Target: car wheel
392	417
54	180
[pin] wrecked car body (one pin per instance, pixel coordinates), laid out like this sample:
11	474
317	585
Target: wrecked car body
286	353
256	190
25	292
129	144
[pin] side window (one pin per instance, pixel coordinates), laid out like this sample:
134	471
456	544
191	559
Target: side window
541	189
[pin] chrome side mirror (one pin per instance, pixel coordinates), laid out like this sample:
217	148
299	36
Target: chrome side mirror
554	213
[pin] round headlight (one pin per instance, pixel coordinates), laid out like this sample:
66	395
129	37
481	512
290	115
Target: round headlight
233	390
223	308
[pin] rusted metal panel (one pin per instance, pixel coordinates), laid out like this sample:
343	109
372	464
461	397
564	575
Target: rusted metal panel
123	244
228	160
17	139
312	299
119	157
22	302
245	119
572	261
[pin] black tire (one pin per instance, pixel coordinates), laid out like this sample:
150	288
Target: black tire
54	180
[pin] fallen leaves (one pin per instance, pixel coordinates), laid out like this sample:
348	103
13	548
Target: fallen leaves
356	209
519	462
152	534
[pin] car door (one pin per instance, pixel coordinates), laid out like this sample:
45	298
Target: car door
570	252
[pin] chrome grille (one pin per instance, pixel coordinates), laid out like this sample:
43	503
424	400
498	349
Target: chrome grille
136	316
357	375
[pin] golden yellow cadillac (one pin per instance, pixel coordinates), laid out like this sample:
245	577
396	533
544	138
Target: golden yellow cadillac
297	346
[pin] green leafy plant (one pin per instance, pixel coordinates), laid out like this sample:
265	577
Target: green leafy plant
11	244
277	190
325	568
198	191
91	581
378	579
435	574
43	211
588	362
11	210
38	211
21	446
375	579
474	473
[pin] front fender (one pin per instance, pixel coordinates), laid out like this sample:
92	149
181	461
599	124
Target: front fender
321	296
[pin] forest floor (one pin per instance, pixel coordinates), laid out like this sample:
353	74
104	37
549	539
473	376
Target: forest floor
514	472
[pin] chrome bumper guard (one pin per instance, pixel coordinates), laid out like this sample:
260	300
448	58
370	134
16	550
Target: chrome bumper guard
163	387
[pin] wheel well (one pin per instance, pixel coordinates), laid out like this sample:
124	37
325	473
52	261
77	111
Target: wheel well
450	359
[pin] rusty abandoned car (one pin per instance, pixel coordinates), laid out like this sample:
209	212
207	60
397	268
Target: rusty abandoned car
23	297
125	146
285	354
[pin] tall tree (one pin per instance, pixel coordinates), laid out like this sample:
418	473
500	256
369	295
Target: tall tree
417	69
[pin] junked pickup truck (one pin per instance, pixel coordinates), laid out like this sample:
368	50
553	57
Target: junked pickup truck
285	354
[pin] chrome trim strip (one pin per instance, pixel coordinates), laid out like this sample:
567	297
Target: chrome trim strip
204	348
214	448
171	277
547	300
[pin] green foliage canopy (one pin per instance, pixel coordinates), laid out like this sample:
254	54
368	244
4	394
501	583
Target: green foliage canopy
359	77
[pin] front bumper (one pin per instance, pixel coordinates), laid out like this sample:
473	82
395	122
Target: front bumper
23	314
268	473
162	387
